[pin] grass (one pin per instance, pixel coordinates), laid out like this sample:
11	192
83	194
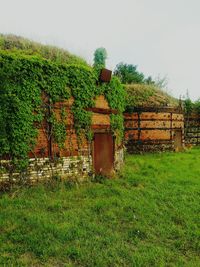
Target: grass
149	96
10	42
150	216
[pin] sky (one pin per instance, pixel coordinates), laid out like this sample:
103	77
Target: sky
161	37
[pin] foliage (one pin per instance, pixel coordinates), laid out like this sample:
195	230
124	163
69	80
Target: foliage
24	46
148	95
190	106
115	94
29	88
23	81
148	217
117	124
100	56
58	128
17	106
127	73
197	106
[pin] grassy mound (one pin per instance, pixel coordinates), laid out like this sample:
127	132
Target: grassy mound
148	96
28	47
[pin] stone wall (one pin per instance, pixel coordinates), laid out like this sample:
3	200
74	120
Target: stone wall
192	129
74	168
77	168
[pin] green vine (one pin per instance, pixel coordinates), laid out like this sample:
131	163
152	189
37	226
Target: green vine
30	87
59	128
115	94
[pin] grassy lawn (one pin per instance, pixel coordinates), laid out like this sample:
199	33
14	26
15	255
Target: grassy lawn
150	216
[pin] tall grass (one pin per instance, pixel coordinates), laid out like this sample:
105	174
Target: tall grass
148	95
16	43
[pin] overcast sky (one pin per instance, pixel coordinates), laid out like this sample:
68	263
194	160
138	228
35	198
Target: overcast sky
162	37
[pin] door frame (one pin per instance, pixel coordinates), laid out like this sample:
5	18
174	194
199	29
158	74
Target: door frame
174	134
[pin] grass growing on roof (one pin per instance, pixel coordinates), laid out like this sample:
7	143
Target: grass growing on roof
147	217
145	95
11	42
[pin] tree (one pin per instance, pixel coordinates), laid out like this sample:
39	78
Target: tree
100	56
128	73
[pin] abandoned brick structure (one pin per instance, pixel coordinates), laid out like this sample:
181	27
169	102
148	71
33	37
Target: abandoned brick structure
58	120
154	129
100	156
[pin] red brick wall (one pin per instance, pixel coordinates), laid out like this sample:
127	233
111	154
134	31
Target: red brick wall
150	128
100	122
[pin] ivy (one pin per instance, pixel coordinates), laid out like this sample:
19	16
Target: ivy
29	88
59	128
115	94
117	125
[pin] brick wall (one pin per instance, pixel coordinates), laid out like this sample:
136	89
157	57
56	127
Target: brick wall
151	130
72	162
192	129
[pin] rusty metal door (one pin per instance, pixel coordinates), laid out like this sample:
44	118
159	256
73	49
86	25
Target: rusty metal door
103	153
178	145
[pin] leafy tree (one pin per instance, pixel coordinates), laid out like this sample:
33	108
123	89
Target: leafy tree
128	73
100	56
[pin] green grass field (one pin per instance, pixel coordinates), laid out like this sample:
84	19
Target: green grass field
149	216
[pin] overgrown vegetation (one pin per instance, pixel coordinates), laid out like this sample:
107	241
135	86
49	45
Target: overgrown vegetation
141	91
100	56
31	85
148	95
148	217
128	74
190	106
25	46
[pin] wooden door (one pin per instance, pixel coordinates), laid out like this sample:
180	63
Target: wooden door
103	153
178	145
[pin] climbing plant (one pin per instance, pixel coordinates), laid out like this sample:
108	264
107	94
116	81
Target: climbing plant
115	94
29	88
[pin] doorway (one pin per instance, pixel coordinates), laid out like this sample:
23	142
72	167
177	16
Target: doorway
178	145
103	153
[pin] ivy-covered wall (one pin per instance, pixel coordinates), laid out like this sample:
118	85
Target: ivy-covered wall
30	89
